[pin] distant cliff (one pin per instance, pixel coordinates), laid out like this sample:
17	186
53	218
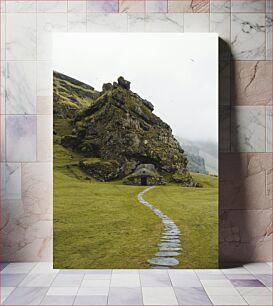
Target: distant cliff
202	156
196	163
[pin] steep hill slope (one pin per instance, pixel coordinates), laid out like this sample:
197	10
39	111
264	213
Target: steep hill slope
71	95
202	156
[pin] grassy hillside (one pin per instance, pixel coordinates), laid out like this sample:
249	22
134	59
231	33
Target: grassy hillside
195	211
71	95
98	225
207	181
102	225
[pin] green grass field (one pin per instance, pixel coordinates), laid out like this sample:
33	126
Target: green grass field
195	211
102	225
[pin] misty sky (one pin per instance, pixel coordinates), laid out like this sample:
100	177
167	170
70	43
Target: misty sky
177	72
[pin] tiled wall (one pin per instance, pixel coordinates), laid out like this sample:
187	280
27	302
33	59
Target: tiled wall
245	28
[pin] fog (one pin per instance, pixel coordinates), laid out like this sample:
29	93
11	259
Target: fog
177	72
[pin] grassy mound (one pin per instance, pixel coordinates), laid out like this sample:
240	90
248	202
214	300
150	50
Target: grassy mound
207	181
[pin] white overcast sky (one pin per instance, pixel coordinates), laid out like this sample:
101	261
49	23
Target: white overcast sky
177	72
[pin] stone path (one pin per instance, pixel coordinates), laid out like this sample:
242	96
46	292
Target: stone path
169	246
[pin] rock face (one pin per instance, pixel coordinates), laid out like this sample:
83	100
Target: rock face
170	243
202	155
119	125
123	83
196	163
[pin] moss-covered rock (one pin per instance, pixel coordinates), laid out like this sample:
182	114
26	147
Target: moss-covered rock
184	179
125	129
71	95
118	125
102	170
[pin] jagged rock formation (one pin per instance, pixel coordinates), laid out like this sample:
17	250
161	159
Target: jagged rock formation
118	125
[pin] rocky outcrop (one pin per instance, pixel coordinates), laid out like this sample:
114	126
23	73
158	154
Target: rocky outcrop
102	170
123	83
118	125
70	96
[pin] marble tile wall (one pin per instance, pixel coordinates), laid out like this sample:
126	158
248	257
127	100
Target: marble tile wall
245	30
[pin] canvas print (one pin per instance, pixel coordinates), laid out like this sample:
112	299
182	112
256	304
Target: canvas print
135	150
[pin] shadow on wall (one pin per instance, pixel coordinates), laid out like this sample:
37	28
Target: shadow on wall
245	196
